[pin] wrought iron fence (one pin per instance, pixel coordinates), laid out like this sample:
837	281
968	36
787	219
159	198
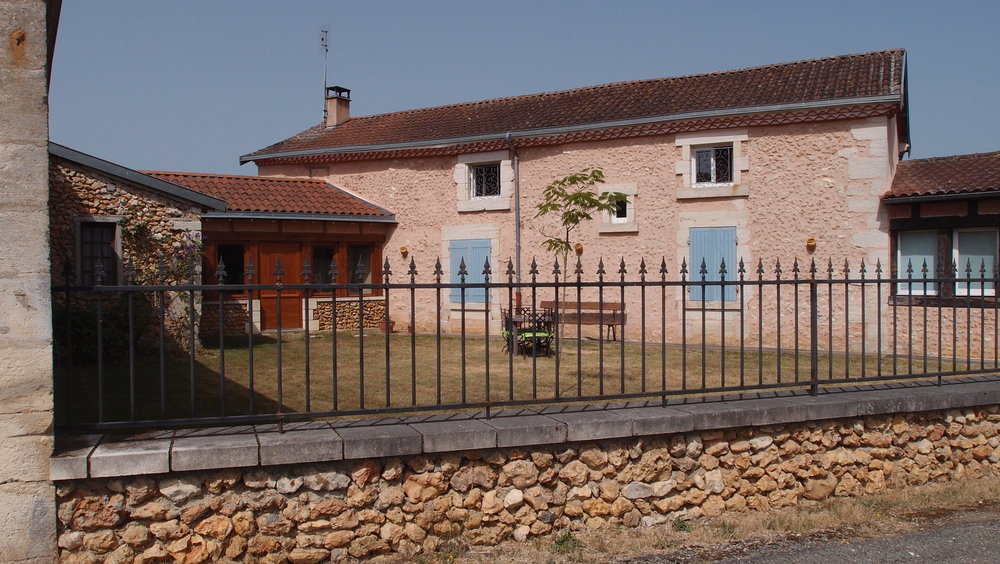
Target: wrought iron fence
140	356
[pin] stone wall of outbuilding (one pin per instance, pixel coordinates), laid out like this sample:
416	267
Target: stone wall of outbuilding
332	511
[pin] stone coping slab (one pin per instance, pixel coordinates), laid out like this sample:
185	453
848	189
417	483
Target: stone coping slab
159	452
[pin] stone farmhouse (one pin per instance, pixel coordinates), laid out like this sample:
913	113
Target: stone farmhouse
775	163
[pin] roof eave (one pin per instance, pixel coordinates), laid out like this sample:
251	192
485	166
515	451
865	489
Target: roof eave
701	114
889	199
357	218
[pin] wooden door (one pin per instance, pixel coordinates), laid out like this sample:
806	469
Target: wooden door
290	254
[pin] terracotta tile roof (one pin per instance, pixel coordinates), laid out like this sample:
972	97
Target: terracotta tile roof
878	73
274	195
959	174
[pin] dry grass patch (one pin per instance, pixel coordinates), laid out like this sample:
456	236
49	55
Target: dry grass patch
351	371
889	513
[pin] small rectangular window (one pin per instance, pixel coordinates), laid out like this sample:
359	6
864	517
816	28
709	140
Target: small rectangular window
713	165
620	214
915	252
975	253
231	256
321	262
359	266
97	253
485	180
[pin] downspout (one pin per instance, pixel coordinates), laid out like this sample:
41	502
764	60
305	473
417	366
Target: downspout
517	220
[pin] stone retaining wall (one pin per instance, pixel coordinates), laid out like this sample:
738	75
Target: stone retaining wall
332	511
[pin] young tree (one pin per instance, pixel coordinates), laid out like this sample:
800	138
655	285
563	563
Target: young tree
574	199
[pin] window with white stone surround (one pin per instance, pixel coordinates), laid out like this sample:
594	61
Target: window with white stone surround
712	164
622	219
484	181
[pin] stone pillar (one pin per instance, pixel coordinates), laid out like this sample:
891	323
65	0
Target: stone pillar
27	496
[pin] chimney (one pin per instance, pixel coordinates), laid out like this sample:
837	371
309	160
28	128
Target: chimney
338	105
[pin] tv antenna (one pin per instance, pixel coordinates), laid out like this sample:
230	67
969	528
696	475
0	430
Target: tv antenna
324	43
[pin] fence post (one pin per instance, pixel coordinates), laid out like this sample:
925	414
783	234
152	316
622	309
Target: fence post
813	332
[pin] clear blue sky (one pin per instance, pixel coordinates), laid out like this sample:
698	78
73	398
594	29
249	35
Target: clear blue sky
192	85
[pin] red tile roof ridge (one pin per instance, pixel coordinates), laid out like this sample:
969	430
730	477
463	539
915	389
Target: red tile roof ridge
634	82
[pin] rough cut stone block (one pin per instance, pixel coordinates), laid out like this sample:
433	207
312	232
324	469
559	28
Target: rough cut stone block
28	513
69	462
775	411
859	169
206	449
525	430
456	435
826	406
659	421
299	443
127	456
374	441
594	425
717	415
26	379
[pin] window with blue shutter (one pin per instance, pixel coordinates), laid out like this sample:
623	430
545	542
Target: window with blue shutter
713	245
475	252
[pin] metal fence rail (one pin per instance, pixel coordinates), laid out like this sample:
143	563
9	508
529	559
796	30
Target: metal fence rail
132	356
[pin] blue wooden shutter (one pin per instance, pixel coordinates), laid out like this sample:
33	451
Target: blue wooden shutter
712	245
474	252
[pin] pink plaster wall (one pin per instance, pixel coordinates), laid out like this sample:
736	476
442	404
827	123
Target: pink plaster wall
820	180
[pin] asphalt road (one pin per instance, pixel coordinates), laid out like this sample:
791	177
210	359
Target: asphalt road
964	537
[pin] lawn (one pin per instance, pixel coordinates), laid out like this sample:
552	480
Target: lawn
326	374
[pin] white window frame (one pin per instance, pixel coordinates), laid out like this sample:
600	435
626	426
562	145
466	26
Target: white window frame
712	149
610	223
972	287
686	168
916	285
466	201
472	180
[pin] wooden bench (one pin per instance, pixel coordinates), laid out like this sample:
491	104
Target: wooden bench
611	314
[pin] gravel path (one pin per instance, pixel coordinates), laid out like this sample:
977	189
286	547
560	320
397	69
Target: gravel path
964	537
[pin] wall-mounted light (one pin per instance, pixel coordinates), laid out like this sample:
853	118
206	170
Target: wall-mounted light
404	251
578	248
811	244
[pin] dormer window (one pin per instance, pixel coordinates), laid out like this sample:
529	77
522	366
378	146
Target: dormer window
484	180
713	165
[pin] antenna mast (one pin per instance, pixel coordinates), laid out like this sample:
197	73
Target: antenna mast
324	43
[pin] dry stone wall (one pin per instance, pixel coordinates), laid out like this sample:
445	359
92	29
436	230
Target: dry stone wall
338	511
166	229
347	314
